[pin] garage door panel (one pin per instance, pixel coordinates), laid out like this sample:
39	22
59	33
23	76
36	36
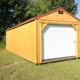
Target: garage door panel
57	41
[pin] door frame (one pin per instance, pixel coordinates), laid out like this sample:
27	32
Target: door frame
62	26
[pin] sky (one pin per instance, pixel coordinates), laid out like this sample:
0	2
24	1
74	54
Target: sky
78	8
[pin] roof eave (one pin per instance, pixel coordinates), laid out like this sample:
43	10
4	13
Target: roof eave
27	21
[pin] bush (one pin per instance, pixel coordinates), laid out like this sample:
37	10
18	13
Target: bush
3	43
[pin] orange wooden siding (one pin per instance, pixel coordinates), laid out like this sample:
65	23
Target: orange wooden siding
79	40
22	41
59	17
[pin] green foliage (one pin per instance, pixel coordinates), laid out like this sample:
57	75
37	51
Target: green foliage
3	43
41	6
12	12
70	6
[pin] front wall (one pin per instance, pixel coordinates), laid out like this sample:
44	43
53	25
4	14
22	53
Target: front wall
79	39
41	25
22	41
59	17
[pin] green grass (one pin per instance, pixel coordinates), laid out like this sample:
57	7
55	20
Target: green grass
2	45
13	67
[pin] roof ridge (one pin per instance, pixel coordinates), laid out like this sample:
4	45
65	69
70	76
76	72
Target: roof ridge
49	12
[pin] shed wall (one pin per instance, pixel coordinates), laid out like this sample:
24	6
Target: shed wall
22	41
59	17
79	40
42	24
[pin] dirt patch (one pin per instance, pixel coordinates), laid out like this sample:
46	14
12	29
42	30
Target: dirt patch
10	75
14	72
2	50
11	64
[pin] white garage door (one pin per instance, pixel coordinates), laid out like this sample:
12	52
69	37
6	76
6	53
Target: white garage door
58	41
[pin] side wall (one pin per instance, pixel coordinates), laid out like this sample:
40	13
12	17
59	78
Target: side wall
22	41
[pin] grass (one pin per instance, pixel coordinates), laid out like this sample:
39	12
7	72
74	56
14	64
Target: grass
2	45
13	67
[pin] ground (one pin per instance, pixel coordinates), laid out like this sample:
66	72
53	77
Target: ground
13	67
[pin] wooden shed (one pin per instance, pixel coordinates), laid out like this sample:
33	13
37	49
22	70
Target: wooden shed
49	36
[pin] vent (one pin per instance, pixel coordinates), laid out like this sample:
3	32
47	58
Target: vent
60	12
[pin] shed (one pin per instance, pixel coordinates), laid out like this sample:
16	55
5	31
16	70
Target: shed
49	36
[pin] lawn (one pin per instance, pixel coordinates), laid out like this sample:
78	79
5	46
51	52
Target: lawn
13	67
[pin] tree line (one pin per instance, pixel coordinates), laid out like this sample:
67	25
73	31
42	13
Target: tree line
13	12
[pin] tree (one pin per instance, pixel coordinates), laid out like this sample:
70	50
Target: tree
21	10
70	6
4	16
41	6
12	12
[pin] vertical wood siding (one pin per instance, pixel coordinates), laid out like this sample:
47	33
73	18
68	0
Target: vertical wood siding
22	41
79	40
59	17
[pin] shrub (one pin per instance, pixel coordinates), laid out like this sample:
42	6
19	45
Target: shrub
3	43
